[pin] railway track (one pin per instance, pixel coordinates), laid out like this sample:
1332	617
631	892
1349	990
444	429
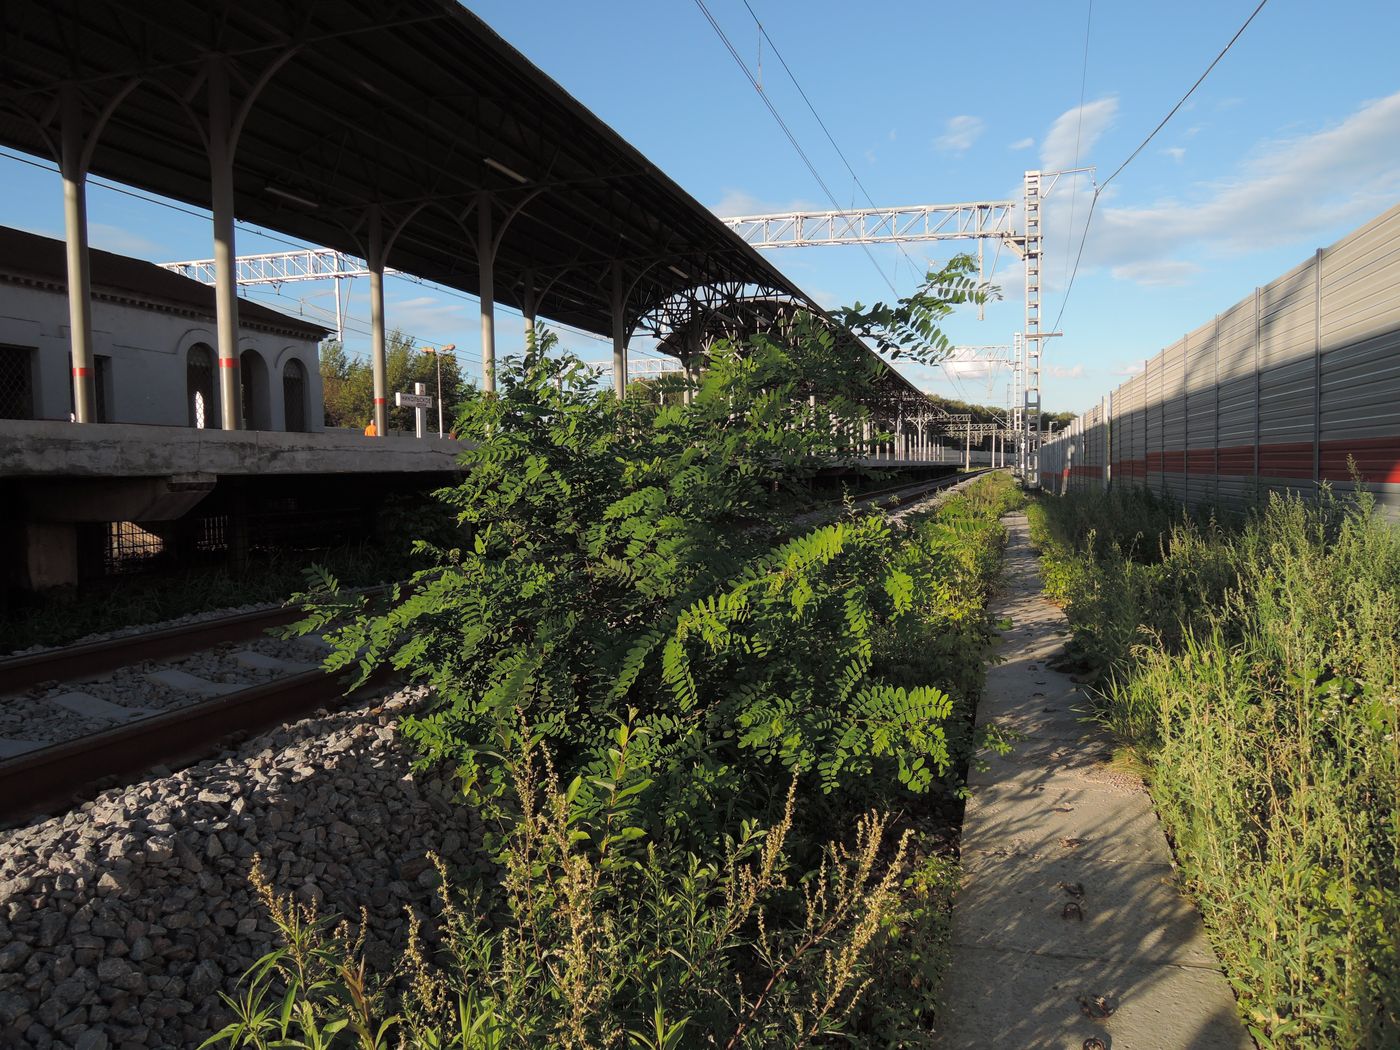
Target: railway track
78	732
103	742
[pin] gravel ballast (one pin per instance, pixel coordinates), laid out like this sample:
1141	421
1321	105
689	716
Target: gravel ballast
126	917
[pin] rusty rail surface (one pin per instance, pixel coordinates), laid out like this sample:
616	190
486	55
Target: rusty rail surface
77	661
53	778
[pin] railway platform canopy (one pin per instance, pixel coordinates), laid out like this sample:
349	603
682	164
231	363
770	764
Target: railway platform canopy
407	133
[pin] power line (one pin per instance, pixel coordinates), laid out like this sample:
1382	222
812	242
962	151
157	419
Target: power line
724	38
827	131
1141	146
1078	130
259	231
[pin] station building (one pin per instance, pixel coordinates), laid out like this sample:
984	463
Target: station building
153	340
153	483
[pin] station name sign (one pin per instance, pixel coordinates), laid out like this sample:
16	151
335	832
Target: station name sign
403	400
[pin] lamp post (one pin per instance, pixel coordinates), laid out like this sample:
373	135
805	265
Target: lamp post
437	353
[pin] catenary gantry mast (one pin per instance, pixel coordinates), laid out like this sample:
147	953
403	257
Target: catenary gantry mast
975	220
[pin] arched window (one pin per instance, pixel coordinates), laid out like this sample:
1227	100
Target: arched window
294	394
199	386
252	378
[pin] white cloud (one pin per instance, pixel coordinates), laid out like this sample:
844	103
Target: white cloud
1025	143
960	133
1083	126
1287	190
892	135
870	156
1158	272
125	242
1128	370
1061	372
427	315
1176	153
112	239
741	202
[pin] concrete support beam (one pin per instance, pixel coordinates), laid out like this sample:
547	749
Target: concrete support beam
619	332
50	555
73	166
378	355
486	263
221	146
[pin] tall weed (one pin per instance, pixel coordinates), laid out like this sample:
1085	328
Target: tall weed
1256	670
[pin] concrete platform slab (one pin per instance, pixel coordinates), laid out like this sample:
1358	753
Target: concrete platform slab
188	683
1068	889
93	707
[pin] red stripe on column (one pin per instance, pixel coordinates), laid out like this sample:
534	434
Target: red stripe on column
82	372
381	400
228	362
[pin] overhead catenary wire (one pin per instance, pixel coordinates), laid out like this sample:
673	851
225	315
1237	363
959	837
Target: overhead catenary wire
787	131
259	231
1078	137
763	31
1098	191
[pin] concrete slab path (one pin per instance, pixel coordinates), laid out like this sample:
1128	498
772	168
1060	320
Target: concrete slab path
1069	908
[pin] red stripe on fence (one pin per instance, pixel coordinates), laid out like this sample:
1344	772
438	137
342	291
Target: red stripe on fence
1200	461
1236	461
1293	459
1377	459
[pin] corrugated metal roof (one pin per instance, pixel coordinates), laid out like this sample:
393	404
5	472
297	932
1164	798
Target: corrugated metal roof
413	107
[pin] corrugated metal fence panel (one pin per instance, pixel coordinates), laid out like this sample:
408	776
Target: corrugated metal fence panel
1237	420
1287	405
1200	414
1289	382
1152	423
1121	439
1139	427
1360	341
1174	420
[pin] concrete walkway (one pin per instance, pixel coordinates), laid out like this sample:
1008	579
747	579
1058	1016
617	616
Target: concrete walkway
1069	906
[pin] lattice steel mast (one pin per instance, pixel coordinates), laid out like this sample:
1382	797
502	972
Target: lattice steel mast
978	220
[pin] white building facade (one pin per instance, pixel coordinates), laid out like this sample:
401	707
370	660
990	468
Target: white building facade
153	341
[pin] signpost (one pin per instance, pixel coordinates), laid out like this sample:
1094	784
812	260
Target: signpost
420	401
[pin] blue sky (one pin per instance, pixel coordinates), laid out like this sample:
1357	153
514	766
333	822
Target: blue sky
1292	141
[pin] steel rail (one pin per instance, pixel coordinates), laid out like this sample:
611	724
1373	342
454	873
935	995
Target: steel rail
52	778
75	661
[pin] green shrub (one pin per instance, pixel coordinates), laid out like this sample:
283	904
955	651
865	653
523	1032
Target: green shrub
638	663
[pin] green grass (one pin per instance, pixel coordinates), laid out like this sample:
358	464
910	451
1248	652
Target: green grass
1253	668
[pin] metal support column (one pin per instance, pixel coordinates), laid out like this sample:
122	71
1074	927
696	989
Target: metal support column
486	261
619	332
74	171
967	447
528	308
225	279
377	353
